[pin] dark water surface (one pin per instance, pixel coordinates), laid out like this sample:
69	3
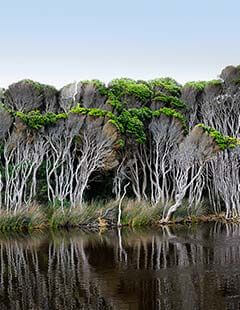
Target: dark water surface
184	268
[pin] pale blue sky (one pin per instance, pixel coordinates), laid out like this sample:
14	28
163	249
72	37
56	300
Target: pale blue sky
57	42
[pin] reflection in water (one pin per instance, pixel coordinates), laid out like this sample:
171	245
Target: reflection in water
187	268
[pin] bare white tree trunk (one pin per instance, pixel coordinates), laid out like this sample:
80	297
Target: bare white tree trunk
120	204
22	162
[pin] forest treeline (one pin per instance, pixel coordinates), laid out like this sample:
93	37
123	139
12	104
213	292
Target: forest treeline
157	142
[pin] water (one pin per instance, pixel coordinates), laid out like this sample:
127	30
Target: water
186	268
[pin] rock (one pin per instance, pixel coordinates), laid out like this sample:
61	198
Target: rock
28	95
190	95
202	144
212	90
156	104
2	90
87	94
230	74
69	96
6	122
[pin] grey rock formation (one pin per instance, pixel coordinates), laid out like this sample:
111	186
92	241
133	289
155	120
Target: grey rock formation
1	95
27	95
85	93
6	122
230	74
212	90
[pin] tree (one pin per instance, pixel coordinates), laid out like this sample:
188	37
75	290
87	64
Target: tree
190	159
166	134
222	113
23	155
77	148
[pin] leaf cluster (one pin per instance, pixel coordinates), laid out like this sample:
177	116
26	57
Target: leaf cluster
224	142
118	88
36	120
170	101
166	84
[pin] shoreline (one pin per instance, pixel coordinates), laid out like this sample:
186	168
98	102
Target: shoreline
23	223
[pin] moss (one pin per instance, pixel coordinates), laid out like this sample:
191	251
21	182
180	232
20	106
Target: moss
224	142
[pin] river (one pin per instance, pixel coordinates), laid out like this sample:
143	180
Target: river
196	267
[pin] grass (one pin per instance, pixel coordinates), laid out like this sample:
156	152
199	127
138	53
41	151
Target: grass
92	216
24	220
75	217
137	214
142	214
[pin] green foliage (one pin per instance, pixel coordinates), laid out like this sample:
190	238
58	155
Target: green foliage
224	142
128	122
132	125
118	88
36	120
167	84
121	142
199	85
171	101
132	120
142	113
115	103
91	111
214	82
79	110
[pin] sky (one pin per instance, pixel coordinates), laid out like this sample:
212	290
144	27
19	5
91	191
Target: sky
58	42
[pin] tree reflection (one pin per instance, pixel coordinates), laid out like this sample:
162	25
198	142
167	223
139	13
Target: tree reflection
169	269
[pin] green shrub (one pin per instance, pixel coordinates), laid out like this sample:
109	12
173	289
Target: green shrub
167	84
118	88
171	101
36	120
199	85
224	142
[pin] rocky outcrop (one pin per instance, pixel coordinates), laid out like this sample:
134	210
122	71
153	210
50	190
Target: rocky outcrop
27	95
6	122
1	95
230	75
88	94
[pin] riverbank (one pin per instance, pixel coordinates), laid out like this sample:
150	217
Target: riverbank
100	215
